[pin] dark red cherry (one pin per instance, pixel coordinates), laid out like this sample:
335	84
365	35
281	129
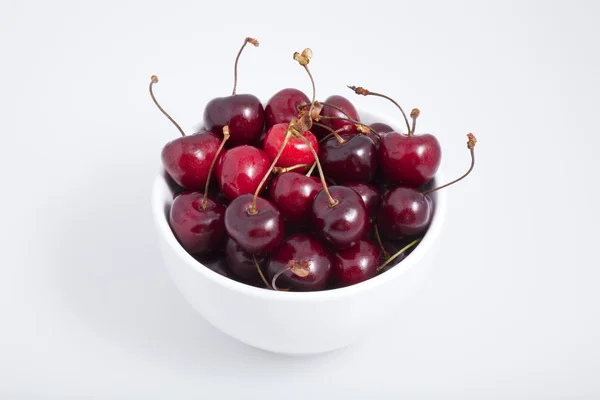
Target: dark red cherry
355	264
199	230
187	159
241	169
344	224
241	263
296	151
215	262
409	160
382	131
293	194
283	106
393	246
243	113
345	105
404	211
255	233
355	160
304	252
370	195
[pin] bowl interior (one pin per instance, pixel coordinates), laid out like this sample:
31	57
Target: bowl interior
162	198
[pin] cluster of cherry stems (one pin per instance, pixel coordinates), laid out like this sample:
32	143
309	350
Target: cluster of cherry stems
279	226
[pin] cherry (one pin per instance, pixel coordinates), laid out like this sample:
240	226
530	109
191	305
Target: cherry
256	230
282	107
370	196
382	131
301	263
295	152
243	265
335	108
353	160
241	170
406	211
340	215
400	248
356	264
293	194
243	113
187	159
215	262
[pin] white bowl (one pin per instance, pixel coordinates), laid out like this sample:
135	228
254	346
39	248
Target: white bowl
293	323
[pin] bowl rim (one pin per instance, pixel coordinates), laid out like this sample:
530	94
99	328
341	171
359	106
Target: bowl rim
164	229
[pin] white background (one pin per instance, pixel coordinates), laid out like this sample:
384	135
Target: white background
86	307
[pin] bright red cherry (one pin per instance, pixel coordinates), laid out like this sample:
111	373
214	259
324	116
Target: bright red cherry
241	170
258	231
199	227
296	151
283	106
356	264
243	113
301	263
293	194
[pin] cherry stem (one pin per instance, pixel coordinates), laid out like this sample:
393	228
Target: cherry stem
277	275
334	133
395	255
414	114
153	80
327	105
386	254
332	202
351	120
471	147
314	90
252	210
281	170
235	67
366	92
262	276
310	171
212	165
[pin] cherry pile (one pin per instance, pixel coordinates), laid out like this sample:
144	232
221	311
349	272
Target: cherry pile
307	197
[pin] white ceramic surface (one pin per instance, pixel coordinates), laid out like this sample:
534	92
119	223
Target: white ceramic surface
287	322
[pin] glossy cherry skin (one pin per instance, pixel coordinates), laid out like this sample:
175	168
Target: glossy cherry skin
304	250
293	194
241	169
296	151
409	160
200	231
258	233
243	113
345	224
345	105
187	159
382	131
241	263
282	107
215	262
356	264
352	161
404	211
370	195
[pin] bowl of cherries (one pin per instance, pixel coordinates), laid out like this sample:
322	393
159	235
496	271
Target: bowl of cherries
296	225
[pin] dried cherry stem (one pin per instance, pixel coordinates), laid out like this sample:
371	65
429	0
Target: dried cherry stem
277	275
395	255
414	114
310	171
333	133
212	165
281	170
252	210
332	202
327	105
386	254
471	146
262	276
366	92
235	69
153	80
301	269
